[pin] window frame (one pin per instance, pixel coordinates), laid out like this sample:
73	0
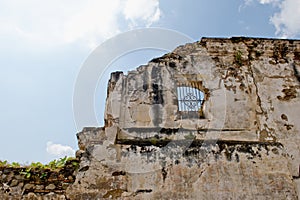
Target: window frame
188	94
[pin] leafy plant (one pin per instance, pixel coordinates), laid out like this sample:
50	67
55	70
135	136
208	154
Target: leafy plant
15	164
61	162
3	163
43	175
238	58
37	165
75	164
52	165
26	172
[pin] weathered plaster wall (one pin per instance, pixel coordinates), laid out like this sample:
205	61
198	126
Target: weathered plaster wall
251	89
246	147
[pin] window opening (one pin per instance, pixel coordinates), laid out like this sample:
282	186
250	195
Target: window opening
190	98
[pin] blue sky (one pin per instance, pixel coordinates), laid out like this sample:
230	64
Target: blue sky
43	45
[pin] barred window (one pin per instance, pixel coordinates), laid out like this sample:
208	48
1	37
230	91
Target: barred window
190	99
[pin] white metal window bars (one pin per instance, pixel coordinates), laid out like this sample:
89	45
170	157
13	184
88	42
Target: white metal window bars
190	99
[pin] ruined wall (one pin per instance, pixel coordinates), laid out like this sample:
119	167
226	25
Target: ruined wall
35	183
245	145
251	88
242	143
221	170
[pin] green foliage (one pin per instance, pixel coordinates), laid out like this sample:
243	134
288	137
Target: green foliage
37	170
153	141
52	165
190	137
37	165
238	58
75	164
3	163
26	172
43	175
56	164
61	162
15	164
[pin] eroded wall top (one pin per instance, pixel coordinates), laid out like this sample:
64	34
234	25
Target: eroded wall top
215	119
250	90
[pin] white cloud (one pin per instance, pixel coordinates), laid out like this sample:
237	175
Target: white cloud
59	150
249	2
146	10
59	22
287	21
269	1
96	20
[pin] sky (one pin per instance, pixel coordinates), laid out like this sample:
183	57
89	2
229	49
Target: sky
43	45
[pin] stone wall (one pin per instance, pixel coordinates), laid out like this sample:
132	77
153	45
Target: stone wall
245	145
36	183
241	143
